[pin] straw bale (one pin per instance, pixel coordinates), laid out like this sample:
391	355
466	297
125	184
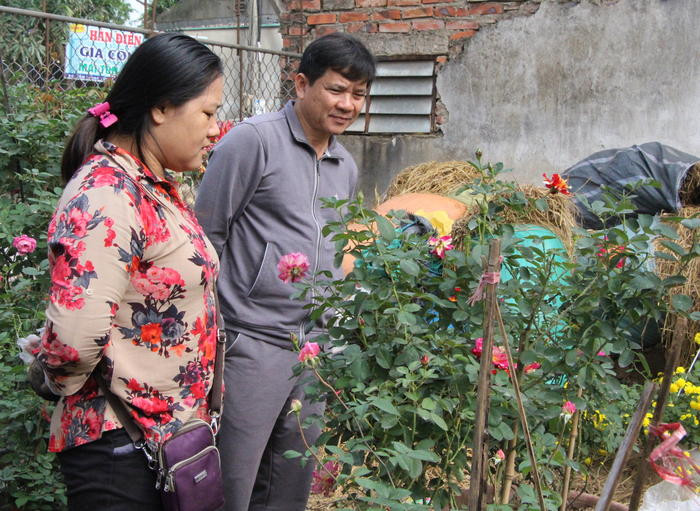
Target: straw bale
560	216
690	188
691	287
432	177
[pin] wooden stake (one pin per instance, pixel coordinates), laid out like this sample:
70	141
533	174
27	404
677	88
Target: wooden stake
509	473
477	485
521	412
626	447
570	455
671	364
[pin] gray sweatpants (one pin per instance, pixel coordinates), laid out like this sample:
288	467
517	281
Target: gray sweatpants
256	428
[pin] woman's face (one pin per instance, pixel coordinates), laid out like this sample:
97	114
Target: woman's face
180	134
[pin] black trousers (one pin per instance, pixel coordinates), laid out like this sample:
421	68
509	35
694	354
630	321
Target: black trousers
109	474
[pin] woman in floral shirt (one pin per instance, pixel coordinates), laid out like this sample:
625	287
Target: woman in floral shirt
132	274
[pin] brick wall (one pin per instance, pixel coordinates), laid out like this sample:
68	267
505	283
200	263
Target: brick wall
448	23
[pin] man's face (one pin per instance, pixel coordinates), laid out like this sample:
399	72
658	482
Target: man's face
331	104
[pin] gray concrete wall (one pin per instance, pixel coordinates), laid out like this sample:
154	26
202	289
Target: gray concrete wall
540	93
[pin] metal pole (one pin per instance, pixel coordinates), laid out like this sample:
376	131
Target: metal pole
114	26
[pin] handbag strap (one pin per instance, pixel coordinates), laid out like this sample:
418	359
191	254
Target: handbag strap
215	403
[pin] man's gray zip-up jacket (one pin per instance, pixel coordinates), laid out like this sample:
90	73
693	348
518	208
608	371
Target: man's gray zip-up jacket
259	200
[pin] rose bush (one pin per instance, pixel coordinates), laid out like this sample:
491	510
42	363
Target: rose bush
400	365
32	134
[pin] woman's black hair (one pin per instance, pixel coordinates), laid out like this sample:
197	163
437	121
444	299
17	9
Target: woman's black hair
338	52
167	69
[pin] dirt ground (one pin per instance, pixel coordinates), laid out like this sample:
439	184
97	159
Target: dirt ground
593	484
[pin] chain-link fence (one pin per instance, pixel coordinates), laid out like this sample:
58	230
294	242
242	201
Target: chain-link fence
58	52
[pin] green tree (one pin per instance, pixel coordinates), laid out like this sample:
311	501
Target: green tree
160	7
23	38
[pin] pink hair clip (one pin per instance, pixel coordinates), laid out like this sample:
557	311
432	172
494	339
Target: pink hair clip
101	110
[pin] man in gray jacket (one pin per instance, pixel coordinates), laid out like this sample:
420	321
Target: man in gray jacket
259	200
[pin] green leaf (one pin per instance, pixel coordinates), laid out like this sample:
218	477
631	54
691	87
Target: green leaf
691	223
674	247
385	405
291	454
371	484
626	358
667	230
541	204
424	455
383	357
406	318
409	267
642	282
428	404
386	228
682	303
438	421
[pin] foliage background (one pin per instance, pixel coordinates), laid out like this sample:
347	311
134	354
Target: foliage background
32	134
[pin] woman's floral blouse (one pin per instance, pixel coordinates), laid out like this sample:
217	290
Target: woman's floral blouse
132	282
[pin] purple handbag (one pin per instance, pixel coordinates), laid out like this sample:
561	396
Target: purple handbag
190	470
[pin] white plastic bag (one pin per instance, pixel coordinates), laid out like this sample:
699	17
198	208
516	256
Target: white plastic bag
666	496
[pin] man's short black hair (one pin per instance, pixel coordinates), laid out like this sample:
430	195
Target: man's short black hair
341	53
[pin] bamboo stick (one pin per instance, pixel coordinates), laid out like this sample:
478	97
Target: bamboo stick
521	412
509	472
570	454
626	447
671	363
477	484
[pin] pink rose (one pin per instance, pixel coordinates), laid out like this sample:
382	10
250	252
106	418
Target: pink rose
440	245
324	478
293	267
309	351
567	410
24	244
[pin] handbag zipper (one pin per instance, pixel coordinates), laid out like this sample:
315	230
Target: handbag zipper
189	425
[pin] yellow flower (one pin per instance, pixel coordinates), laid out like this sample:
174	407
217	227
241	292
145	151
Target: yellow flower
588	461
647	420
598	420
674	388
697	338
679	370
695	405
602	451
